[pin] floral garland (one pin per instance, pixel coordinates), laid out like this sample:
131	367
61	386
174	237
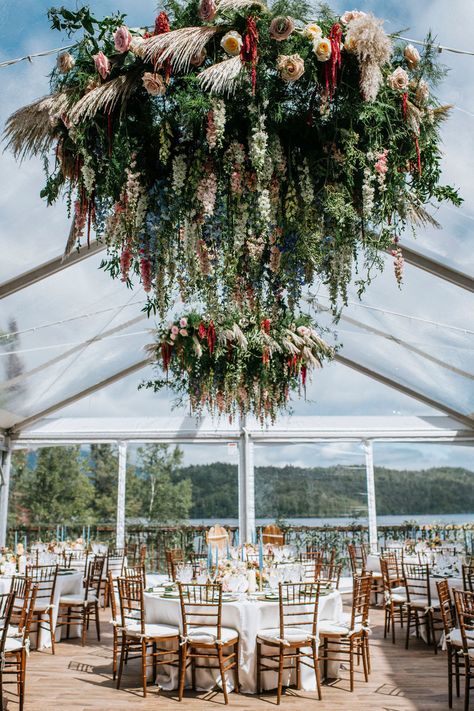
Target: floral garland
238	365
236	152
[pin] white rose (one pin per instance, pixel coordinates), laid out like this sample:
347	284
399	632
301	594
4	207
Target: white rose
398	80
312	31
322	49
231	43
412	56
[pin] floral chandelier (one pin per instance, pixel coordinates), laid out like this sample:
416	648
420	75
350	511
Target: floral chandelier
230	156
234	153
238	364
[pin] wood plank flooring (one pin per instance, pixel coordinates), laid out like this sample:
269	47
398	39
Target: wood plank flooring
79	678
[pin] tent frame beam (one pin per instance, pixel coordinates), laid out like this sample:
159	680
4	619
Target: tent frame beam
438	269
47	269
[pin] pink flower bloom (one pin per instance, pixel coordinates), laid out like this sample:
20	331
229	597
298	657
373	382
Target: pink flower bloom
175	330
173	336
122	39
183	332
381	166
183	322
102	64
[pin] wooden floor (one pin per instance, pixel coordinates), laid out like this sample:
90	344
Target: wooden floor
80	678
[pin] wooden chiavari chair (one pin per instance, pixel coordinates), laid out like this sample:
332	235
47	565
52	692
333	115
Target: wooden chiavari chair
273	534
116	622
393	552
296	633
17	645
468	577
80	609
198	561
312	563
115	562
174	556
6	608
138	636
204	637
464	601
21	586
329	575
44	576
452	636
357	558
394	595
418	592
350	638
136	571
75	560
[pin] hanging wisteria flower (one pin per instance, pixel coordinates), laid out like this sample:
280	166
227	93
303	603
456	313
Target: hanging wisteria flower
412	56
398	79
322	49
281	28
154	84
232	43
312	31
291	67
122	39
206	192
102	64
350	15
65	62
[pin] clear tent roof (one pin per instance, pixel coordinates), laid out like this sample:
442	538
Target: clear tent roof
77	328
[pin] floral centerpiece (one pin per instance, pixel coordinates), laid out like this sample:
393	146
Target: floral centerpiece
238	364
235	152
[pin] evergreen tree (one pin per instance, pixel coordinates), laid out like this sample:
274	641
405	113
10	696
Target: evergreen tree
164	500
104	477
56	488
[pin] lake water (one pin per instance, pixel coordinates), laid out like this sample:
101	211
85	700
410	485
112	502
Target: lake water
381	520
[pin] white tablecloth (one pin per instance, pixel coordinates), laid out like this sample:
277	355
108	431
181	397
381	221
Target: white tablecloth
65	585
247	617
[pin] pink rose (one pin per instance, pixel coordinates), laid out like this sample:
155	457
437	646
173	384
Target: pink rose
154	84
183	322
183	332
173	336
198	58
174	330
281	28
207	10
102	64
122	39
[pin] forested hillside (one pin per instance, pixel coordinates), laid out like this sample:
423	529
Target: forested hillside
291	492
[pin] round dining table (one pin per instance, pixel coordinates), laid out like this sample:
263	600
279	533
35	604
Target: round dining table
67	583
247	616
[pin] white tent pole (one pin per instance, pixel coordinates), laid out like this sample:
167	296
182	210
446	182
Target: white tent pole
371	506
122	483
246	486
5	469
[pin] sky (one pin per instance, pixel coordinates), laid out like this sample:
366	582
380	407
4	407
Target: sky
430	315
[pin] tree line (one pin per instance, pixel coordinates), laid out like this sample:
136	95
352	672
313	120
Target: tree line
70	484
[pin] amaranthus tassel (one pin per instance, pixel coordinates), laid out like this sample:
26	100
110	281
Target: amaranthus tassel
334	61
211	337
249	50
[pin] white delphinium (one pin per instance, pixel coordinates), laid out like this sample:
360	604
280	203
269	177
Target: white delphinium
258	144
88	175
179	173
306	184
218	107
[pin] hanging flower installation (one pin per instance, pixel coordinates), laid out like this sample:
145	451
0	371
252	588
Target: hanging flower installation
233	153
238	364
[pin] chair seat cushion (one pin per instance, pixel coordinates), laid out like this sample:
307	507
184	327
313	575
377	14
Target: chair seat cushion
337	629
397	597
399	590
292	635
456	640
13	645
208	635
422	603
13	631
152	630
73	599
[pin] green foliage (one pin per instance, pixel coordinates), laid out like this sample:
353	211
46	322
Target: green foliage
164	499
55	489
